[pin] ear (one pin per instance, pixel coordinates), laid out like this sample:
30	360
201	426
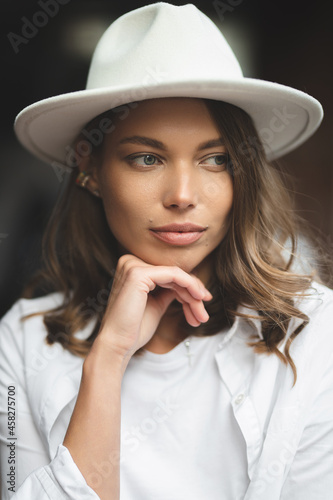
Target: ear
88	165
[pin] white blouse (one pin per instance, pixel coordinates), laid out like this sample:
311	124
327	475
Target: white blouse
209	420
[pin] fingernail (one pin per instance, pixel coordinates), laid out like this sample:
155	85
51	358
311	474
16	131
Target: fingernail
206	317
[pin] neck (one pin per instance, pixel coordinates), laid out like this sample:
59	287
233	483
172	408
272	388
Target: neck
205	270
167	334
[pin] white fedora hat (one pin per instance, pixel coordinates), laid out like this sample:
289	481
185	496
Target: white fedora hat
162	50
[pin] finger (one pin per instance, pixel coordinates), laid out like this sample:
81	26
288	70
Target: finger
198	310
197	307
202	286
189	287
181	292
190	318
163	297
165	276
130	260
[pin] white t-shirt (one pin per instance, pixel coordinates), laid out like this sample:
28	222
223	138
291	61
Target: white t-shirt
178	427
229	426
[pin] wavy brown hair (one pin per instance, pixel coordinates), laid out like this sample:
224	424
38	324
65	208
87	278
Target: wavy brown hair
80	252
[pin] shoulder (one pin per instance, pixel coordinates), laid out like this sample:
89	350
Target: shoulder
16	322
320	293
24	307
317	304
47	376
312	348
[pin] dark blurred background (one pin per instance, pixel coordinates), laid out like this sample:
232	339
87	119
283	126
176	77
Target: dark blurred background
287	42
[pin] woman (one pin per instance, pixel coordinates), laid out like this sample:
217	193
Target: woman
207	371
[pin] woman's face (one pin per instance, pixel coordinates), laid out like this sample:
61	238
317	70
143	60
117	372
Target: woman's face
165	164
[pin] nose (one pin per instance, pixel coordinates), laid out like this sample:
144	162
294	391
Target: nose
181	187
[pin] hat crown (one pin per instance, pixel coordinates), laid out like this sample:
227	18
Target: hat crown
161	51
161	43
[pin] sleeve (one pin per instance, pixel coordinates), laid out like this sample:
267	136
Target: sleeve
311	472
60	480
26	471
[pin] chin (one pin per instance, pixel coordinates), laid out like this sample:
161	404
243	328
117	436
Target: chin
187	259
184	260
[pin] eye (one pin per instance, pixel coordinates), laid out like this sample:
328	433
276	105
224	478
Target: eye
216	160
144	160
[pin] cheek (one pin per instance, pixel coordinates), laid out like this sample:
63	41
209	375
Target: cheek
125	203
220	196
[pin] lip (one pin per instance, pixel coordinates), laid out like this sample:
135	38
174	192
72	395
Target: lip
186	227
179	234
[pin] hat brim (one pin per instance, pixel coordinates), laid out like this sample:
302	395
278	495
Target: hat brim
284	117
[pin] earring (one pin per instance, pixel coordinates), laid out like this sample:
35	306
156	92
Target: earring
82	179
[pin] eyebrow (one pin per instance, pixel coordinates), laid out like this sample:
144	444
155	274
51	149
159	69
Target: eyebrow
144	141
211	144
147	141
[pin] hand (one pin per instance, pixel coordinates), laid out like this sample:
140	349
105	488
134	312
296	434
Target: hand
133	313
